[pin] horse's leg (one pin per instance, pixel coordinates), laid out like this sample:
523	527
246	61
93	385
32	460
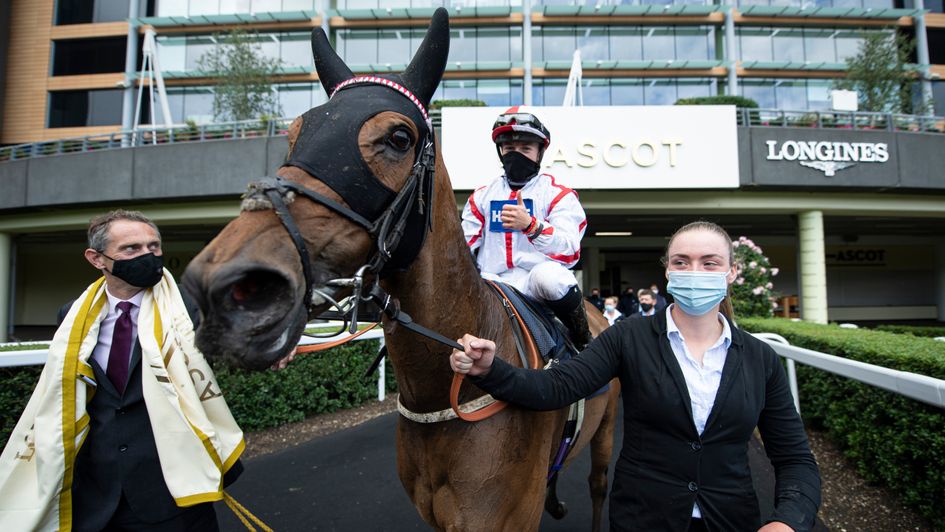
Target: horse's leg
602	445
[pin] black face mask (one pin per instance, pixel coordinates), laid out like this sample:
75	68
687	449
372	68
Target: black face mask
519	169
143	271
646	306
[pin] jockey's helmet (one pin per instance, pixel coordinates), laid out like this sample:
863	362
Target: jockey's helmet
519	124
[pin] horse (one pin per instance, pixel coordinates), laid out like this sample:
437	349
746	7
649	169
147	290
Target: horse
365	200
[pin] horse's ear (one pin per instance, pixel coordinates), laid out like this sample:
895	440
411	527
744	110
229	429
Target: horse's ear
425	70
331	69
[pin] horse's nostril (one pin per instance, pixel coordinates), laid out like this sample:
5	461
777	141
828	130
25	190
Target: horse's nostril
256	289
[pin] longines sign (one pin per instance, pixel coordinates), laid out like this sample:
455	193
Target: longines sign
825	156
649	147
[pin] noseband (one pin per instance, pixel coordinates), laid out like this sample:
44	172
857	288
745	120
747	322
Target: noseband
386	231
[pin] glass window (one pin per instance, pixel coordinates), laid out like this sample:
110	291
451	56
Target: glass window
659	92
659	44
110	11
172	53
234	6
296	50
493	44
295	99
938	94
557	43
818	94
515	44
755	44
788	44
171	8
760	90
198	105
394	47
359	46
593	43
269	6
293	5
626	44
85	108
197	45
693	88
462	45
596	92
204	7
692	43
626	92
459	90
791	94
847	43
495	92
88	11
818	45
88	56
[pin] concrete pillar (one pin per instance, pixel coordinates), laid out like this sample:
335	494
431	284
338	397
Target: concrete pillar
813	267
940	281
922	54
6	290
731	56
131	63
527	51
591	269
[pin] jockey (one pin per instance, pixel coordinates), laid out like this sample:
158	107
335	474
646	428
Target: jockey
525	228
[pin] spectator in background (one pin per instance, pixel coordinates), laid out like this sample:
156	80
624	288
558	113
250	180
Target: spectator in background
659	299
647	304
628	303
610	310
596	300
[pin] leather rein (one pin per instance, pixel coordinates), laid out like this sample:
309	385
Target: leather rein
276	193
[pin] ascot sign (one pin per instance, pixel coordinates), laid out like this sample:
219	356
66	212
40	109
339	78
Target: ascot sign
623	147
828	157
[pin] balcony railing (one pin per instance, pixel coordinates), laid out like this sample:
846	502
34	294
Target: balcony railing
278	127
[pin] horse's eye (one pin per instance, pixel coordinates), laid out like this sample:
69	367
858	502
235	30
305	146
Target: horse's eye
400	140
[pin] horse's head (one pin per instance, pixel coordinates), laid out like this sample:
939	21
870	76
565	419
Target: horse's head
354	192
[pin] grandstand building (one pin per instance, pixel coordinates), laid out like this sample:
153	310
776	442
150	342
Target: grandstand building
69	71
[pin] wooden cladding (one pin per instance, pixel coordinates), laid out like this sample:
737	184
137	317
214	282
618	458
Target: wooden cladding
24	106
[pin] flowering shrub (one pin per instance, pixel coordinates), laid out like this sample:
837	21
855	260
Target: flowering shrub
752	291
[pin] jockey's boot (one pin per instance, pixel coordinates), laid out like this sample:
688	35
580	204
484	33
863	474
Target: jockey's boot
570	310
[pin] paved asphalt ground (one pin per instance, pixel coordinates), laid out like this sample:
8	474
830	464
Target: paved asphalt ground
347	481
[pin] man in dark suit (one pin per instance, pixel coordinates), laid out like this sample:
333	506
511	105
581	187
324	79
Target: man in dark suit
118	481
660	301
647	305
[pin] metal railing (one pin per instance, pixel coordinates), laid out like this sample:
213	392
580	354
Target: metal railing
279	127
855	120
912	385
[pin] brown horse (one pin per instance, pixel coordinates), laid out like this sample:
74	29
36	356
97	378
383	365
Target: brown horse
366	157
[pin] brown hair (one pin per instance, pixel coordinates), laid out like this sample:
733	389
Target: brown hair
726	306
98	226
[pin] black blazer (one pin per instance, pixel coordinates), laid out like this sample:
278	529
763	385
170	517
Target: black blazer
665	465
119	456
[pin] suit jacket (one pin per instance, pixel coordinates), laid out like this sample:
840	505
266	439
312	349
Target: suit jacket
119	456
665	465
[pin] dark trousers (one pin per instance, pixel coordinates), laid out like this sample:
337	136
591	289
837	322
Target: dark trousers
198	518
697	525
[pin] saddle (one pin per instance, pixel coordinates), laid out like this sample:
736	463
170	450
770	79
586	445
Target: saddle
550	335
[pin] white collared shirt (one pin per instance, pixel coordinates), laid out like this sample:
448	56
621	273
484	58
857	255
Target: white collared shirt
702	380
103	347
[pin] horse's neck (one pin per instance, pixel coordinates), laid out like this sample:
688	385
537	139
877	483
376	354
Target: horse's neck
441	291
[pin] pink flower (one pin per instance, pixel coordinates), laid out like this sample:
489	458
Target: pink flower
757	290
735	244
762	269
774	304
740	281
774	271
752	265
769	286
742	239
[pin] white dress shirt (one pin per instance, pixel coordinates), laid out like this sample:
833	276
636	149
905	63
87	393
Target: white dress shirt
107	329
702	380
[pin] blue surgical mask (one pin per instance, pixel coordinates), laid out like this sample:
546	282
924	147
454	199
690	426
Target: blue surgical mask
697	292
610	308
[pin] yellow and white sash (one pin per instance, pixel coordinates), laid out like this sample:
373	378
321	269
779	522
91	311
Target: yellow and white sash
197	438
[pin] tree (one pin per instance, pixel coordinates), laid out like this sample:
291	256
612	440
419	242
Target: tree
881	74
752	291
245	75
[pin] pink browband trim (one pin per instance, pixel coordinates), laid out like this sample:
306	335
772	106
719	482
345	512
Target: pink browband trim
387	83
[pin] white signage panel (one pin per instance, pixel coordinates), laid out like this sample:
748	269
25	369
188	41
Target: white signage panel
639	147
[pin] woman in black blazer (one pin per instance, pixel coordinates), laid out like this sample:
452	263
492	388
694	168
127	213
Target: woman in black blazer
694	389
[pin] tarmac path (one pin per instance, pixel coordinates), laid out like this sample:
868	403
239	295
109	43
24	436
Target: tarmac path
347	481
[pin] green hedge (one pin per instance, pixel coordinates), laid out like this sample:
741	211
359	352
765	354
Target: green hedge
915	330
439	104
313	383
893	440
737	101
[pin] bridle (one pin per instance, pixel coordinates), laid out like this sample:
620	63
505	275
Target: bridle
386	230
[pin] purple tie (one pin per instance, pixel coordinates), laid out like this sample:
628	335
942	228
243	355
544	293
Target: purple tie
121	348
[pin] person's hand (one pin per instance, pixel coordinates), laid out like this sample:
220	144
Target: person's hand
776	526
477	357
283	362
516	216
